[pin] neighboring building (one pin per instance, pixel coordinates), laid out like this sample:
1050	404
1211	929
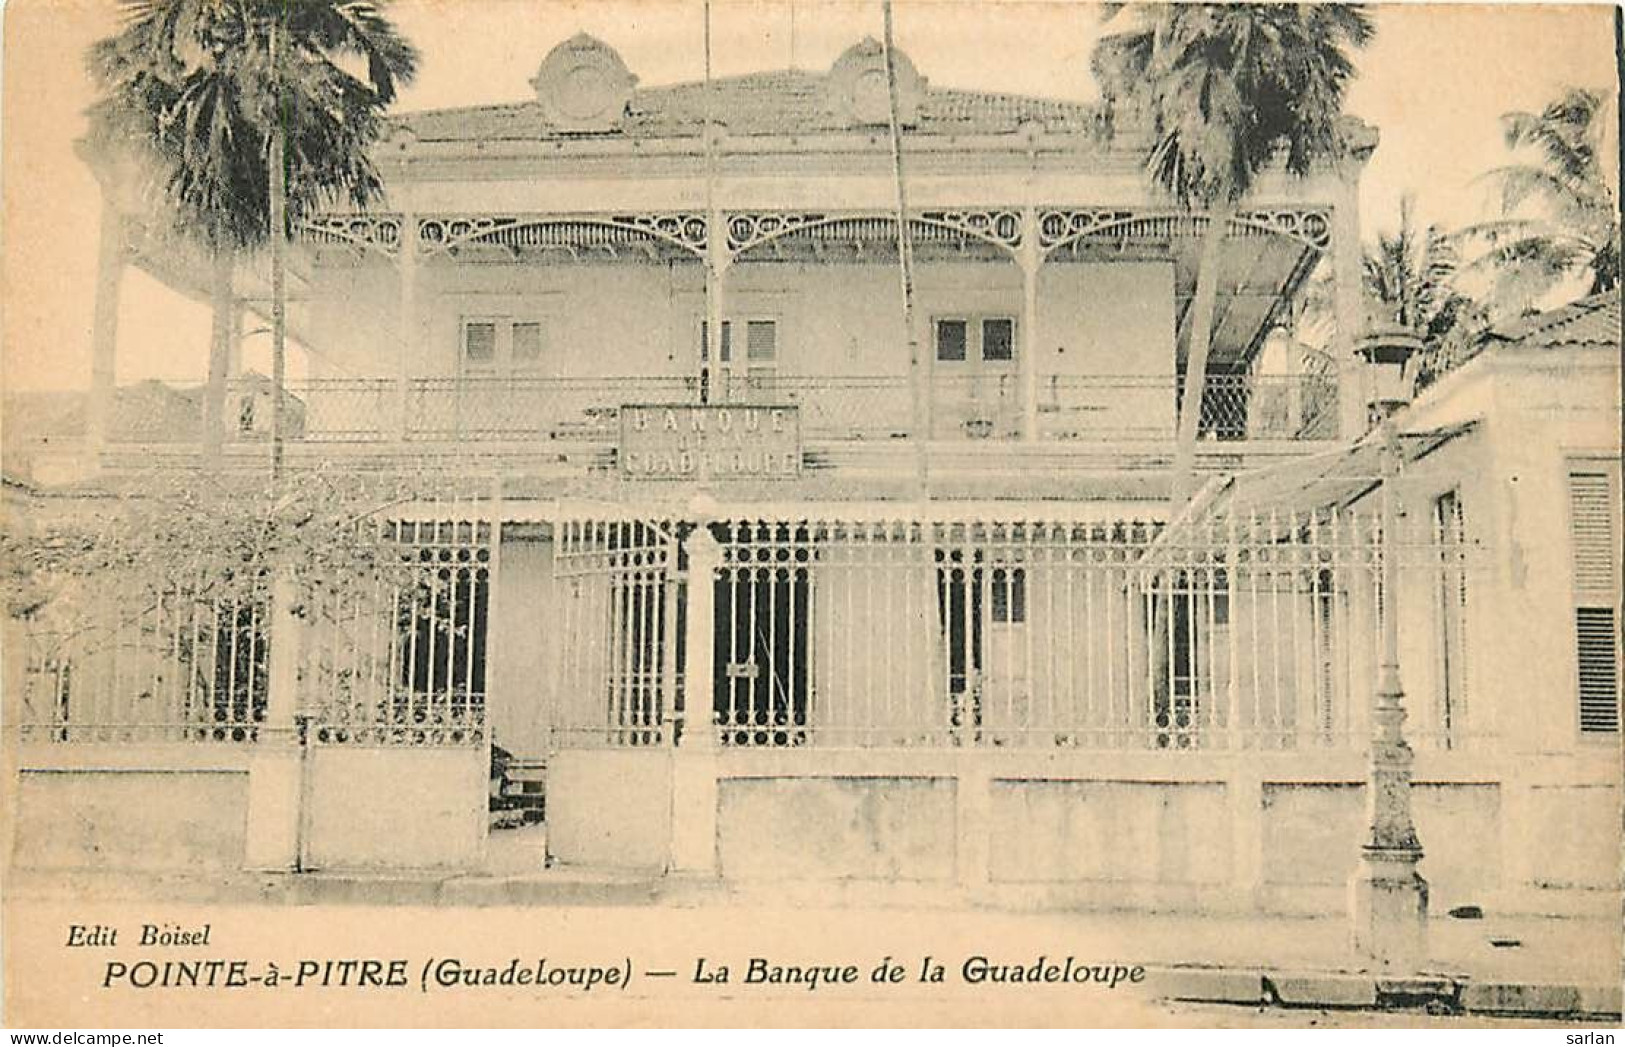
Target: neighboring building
1510	641
770	585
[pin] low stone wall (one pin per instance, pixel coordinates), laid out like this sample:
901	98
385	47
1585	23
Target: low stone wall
1214	831
1573	835
396	807
824	828
143	820
1060	831
610	808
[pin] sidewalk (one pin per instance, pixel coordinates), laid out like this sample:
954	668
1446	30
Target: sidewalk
1497	965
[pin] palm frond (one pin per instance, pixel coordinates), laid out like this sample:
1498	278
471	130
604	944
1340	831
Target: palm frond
189	85
1230	89
1559	214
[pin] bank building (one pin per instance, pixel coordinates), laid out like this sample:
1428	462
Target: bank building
757	575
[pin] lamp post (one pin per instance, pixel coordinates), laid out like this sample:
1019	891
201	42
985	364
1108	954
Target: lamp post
1388	896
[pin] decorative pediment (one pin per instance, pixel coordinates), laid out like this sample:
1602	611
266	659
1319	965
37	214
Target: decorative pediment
583	85
857	86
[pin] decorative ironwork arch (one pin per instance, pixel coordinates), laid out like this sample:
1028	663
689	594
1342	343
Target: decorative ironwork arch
369	232
1000	227
1061	227
687	232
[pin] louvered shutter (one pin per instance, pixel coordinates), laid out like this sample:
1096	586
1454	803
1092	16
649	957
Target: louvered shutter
1594	531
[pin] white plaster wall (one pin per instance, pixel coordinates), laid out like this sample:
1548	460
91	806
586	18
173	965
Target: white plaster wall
644	319
879	828
1312	833
849	171
396	808
356	322
146	820
1544	414
1465	467
610	808
1574	835
1067	831
1538	410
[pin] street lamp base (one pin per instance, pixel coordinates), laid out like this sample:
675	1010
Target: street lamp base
1388	907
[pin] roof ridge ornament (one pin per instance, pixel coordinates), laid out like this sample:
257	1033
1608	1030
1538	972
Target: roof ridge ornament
857	86
583	86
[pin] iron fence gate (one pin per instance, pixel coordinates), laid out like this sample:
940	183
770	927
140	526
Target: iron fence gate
618	608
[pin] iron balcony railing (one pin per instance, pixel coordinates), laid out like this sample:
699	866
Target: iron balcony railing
833	408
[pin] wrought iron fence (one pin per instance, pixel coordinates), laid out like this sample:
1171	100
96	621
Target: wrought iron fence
381	640
1253	632
615	598
398	655
123	658
1257	633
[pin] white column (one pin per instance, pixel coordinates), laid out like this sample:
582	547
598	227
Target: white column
1030	260
407	350
973	819
716	268
282	672
1348	303
694	763
110	263
276	764
704	561
1244	791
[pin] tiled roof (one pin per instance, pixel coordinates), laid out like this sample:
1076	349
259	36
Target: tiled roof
787	101
1593	321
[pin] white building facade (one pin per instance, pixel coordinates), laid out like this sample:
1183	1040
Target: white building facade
766	584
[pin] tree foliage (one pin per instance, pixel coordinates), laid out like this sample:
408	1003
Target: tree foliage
1410	274
1228	89
204	537
1559	209
190	87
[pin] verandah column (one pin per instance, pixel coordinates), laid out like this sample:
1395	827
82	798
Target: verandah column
408	324
110	262
1030	259
717	261
1348	301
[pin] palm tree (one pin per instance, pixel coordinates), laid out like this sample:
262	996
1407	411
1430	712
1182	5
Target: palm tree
248	118
1559	220
1228	91
1411	275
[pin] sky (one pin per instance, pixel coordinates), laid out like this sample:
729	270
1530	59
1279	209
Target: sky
1435	82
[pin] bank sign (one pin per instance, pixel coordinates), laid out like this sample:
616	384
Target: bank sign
710	442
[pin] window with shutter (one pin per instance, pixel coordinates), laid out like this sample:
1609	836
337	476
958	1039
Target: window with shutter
751	371
952	338
1594	533
527	343
480	342
496	345
1450	538
761	341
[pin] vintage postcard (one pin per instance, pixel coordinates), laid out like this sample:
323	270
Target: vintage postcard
529	513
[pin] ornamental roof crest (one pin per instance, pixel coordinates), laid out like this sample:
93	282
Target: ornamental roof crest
857	86
583	85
